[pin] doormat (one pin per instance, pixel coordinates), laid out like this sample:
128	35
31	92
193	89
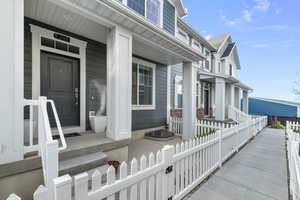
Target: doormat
67	135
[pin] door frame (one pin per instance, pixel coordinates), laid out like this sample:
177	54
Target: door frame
37	33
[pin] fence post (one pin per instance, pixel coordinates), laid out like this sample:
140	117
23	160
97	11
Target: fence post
168	176
63	188
220	147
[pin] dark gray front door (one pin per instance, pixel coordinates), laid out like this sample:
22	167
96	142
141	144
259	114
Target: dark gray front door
206	102
60	82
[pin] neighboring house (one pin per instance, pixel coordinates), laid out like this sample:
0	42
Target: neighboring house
273	107
129	62
216	83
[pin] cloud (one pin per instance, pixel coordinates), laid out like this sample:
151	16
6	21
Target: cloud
247	15
269	44
208	37
277	27
227	21
262	5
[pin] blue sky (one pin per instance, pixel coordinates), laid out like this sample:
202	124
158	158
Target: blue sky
267	33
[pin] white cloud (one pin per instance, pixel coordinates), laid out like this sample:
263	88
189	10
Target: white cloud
247	15
277	27
227	21
208	37
262	5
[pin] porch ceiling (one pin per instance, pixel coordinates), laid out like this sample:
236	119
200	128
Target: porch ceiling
109	13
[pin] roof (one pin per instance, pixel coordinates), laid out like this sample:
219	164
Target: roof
228	50
277	101
218	41
195	34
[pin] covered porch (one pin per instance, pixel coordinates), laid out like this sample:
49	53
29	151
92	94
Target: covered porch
99	42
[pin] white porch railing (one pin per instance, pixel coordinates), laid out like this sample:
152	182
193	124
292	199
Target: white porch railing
47	147
202	126
237	115
171	174
293	141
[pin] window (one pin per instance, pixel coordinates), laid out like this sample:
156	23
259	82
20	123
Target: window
137	5
219	67
169	17
178	97
153	11
143	85
230	70
206	64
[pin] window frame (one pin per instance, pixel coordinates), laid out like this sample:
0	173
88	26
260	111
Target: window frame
178	80
153	67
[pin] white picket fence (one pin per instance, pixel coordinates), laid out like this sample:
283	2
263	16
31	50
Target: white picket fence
170	174
293	141
202	126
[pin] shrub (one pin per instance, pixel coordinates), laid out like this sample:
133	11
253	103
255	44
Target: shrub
277	125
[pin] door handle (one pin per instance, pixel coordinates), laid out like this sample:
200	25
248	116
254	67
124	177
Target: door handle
76	95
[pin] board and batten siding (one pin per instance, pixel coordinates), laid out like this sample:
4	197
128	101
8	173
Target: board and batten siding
143	119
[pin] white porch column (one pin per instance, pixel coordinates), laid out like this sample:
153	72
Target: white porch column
238	98
168	94
11	78
220	98
119	83
245	102
189	100
232	99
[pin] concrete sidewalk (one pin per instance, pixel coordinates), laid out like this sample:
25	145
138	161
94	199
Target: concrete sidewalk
257	172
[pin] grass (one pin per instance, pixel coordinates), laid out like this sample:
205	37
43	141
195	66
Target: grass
206	133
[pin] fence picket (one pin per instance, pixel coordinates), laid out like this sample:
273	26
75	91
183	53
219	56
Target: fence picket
63	187
111	177
41	193
81	186
151	179
133	189
96	180
123	175
158	177
13	197
143	185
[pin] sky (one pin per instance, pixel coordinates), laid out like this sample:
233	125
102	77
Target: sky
267	33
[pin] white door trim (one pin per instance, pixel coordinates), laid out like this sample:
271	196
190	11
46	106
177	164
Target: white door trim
37	33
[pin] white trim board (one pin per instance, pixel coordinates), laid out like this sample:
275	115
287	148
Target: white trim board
153	66
37	33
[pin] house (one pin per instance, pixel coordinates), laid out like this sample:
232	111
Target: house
117	64
216	86
273	107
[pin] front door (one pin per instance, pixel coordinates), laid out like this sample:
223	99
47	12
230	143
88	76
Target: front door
60	83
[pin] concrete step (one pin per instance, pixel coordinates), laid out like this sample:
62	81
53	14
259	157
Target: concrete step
82	163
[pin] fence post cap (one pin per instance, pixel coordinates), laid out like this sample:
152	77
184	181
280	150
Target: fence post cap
62	180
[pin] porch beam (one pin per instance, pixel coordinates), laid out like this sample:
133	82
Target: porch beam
119	83
189	100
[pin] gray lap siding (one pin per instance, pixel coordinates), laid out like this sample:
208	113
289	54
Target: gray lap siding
96	71
142	119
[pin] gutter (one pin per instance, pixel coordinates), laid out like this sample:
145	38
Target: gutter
187	27
135	17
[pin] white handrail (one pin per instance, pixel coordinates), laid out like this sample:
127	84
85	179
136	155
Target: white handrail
57	121
237	115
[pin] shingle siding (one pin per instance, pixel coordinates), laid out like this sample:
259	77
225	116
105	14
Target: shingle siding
169	17
142	119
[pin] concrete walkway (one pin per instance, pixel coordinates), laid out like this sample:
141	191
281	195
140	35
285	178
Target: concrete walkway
257	172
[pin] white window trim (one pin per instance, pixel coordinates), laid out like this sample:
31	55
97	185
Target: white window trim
153	66
178	79
37	33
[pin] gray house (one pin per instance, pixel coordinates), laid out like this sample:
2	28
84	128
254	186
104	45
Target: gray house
111	69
